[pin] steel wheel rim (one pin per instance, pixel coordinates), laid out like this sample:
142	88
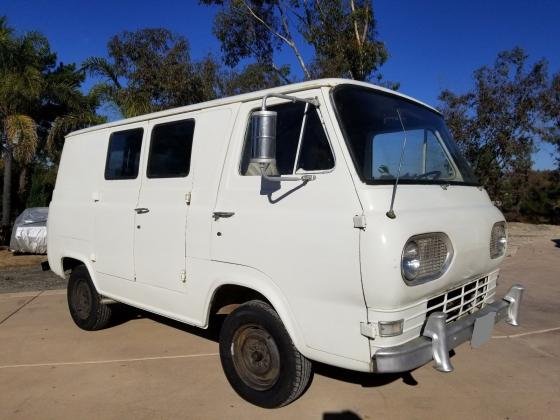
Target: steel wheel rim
256	357
82	300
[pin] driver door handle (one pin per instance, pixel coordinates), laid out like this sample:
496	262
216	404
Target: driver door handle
218	214
141	210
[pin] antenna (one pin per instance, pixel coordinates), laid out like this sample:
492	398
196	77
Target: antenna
391	213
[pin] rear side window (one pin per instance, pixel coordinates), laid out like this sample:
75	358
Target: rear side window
123	156
299	136
170	150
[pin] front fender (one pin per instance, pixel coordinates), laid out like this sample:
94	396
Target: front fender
239	275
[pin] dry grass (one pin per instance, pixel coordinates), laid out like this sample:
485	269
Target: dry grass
9	260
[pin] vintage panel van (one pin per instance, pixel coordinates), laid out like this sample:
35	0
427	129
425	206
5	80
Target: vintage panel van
336	220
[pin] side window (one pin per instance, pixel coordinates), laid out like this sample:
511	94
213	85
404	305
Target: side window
170	150
313	152
123	155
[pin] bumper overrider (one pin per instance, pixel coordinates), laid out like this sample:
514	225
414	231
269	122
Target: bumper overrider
439	338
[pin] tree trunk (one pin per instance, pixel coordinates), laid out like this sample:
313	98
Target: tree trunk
23	184
7	190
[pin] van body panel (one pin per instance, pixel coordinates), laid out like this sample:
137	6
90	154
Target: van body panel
165	282
214	132
463	213
160	222
282	228
71	222
296	243
113	203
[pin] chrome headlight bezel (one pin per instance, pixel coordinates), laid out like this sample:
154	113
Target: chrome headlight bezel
498	240
444	256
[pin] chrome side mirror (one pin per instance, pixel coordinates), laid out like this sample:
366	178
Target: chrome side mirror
263	138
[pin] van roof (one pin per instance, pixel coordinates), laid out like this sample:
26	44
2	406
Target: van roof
285	89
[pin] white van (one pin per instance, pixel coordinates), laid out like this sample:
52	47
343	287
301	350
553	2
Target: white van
336	221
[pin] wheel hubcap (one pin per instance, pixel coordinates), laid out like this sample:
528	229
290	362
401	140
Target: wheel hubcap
82	300
256	357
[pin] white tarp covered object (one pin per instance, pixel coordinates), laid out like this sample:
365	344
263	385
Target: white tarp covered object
29	234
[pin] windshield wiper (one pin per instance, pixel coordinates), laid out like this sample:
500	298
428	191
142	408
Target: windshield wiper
391	213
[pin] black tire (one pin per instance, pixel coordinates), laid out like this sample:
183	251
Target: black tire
259	358
84	302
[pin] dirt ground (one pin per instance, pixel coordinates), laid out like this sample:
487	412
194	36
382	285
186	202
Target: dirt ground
526	234
146	367
22	272
11	260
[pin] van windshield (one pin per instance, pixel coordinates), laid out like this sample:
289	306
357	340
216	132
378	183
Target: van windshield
375	125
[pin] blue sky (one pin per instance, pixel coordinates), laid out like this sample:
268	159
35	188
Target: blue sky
432	44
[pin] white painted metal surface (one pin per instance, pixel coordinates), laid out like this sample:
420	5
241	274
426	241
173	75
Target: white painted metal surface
159	234
297	244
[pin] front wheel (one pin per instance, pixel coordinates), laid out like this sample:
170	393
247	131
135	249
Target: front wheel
259	358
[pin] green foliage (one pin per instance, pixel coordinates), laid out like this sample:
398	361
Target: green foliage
550	108
150	70
64	124
341	33
541	204
21	134
247	29
498	123
42	186
35	92
344	38
253	77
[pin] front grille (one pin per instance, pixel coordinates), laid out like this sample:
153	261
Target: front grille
433	254
463	300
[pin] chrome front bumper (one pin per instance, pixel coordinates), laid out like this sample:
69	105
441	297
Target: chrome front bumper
438	337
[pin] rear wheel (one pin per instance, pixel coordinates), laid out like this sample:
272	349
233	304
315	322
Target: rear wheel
84	302
259	358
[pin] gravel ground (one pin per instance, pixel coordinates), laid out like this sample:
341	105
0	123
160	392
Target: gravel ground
24	279
526	234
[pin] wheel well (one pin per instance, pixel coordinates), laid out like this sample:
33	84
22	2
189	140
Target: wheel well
230	296
68	264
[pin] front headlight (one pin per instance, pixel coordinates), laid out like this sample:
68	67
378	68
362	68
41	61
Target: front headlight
498	240
410	260
426	257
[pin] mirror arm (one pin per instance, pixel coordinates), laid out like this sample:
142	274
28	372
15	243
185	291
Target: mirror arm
313	101
304	178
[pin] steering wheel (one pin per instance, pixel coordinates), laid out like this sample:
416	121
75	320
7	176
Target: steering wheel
435	174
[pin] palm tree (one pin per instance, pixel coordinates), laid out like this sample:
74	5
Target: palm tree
128	102
21	84
67	123
40	102
20	143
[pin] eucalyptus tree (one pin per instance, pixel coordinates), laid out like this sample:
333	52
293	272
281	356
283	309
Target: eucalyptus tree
341	33
149	70
499	123
550	109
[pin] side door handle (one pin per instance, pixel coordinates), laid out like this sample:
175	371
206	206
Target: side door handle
141	210
218	214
